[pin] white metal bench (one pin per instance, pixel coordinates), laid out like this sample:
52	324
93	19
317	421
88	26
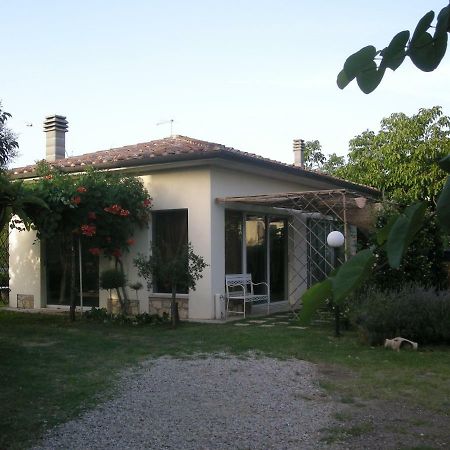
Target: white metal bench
239	287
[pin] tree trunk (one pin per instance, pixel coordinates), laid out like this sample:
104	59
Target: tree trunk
173	307
63	260
123	296
337	327
72	281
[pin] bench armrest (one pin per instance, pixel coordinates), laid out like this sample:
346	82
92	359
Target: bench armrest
230	294
262	282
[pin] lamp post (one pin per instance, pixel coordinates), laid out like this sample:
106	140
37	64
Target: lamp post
336	239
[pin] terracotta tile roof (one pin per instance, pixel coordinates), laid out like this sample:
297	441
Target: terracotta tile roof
175	148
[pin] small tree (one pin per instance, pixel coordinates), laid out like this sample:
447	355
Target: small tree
114	279
136	286
180	272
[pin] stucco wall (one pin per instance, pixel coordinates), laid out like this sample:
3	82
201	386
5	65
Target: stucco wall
187	189
25	267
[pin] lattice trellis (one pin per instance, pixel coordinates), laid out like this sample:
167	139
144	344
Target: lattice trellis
4	256
312	216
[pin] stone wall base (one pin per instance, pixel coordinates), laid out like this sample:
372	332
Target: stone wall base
157	305
25	301
113	306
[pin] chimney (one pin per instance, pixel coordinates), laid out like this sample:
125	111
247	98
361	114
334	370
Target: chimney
55	128
299	153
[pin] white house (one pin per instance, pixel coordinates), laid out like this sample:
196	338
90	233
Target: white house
190	181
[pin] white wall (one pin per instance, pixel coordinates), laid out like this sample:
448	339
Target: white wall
25	267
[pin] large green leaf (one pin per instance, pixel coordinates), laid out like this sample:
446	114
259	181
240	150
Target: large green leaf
342	79
444	163
313	299
369	78
403	231
427	51
359	61
423	24
351	274
394	54
443	207
383	233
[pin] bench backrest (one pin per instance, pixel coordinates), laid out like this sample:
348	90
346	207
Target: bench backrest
236	280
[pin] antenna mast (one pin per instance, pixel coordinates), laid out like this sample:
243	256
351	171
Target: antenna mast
164	122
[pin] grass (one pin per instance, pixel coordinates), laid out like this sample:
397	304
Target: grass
52	369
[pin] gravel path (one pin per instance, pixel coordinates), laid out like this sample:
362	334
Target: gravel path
205	403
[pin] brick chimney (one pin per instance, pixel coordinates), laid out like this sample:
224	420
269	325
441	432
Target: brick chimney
299	152
55	128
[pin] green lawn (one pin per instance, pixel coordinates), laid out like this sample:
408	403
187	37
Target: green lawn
52	369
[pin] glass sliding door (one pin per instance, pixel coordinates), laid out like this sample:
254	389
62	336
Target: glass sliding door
257	244
233	241
277	258
256	248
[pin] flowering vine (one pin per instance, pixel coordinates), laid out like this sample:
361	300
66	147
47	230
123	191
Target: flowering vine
103	209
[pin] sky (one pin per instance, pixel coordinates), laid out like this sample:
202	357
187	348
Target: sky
249	74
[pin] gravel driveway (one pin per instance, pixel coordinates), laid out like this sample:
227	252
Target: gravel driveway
205	403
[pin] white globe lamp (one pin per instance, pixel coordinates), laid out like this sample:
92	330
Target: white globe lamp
335	239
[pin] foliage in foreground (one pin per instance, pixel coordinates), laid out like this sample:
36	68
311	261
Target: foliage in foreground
426	51
413	313
422	264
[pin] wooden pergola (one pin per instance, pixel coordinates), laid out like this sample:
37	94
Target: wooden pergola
312	215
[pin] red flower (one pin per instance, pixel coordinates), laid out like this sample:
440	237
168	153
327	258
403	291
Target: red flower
130	241
92	215
147	202
117	253
81	189
88	230
124	212
114	209
76	200
94	251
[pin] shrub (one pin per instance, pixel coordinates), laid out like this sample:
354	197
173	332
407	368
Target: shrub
101	315
423	263
97	314
112	279
412	312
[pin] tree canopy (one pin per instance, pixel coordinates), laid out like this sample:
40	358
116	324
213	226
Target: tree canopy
315	159
401	158
8	142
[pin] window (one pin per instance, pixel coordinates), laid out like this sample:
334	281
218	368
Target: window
170	233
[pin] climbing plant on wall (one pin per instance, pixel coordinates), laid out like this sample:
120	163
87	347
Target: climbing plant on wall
102	209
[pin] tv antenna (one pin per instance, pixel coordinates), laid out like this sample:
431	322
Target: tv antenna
164	122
